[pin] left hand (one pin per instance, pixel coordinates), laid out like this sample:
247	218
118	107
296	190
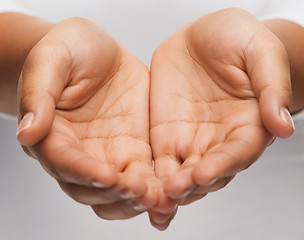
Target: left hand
220	90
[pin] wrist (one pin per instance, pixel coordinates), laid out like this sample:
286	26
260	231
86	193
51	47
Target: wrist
292	37
19	34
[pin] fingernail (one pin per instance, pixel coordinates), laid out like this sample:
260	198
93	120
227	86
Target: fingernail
187	192
126	194
98	184
175	207
182	201
271	141
139	207
25	123
285	115
212	182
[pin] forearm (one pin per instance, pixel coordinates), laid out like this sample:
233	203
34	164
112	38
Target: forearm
18	34
292	36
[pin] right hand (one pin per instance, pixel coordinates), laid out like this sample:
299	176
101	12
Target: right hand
84	111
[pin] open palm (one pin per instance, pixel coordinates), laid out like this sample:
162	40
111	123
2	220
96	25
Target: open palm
206	122
212	108
97	147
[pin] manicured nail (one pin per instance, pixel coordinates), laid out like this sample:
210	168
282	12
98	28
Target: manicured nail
285	115
139	207
126	194
98	184
25	123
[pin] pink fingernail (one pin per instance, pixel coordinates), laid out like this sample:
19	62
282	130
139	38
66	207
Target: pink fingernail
98	184
139	207
212	182
285	115
126	194
25	123
187	192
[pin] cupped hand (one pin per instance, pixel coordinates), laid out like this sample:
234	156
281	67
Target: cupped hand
220	90
84	105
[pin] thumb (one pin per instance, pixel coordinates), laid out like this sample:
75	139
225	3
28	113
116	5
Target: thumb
41	84
268	68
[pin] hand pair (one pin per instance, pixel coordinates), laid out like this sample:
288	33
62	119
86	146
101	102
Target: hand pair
95	118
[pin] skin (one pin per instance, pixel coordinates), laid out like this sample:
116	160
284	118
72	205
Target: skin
292	36
90	129
212	110
19	34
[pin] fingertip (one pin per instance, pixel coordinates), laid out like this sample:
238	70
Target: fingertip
181	184
31	130
150	198
105	177
274	112
279	123
288	122
161	221
165	204
146	200
36	121
23	127
204	175
177	191
89	172
160	227
131	186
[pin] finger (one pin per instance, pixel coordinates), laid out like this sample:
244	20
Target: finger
159	218
118	192
220	183
232	156
143	177
267	64
41	83
201	191
161	221
131	184
165	204
67	162
166	166
90	195
181	184
191	198
118	210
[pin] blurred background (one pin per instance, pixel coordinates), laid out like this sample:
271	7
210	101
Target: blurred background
264	202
